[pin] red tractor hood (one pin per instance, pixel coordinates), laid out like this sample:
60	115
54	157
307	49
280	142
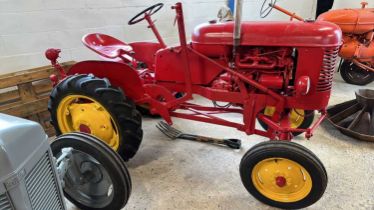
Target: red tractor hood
295	33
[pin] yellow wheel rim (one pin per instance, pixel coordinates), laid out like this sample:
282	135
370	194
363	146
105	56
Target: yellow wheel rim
84	114
281	180
296	116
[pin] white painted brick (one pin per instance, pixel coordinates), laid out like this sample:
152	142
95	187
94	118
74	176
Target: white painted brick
351	4
116	31
2	51
103	4
112	16
64	4
66	39
82	53
10	23
21	62
21	5
28	27
26	43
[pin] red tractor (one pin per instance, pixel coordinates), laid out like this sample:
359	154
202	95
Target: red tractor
277	72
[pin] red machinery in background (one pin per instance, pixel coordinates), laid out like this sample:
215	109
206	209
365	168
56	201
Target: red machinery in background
358	48
357	52
277	72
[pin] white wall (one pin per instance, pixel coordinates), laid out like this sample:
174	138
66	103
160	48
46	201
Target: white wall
351	3
29	27
303	8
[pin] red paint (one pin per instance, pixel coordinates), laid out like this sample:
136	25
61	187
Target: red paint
280	181
84	128
302	86
155	31
208	37
263	73
52	55
271	81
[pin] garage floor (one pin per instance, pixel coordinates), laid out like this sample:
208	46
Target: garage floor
180	174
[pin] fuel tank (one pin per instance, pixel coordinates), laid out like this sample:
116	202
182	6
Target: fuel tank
353	21
217	39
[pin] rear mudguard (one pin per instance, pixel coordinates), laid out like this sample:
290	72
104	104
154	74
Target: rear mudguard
125	77
119	75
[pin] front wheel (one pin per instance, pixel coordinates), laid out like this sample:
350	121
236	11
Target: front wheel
96	177
355	75
283	174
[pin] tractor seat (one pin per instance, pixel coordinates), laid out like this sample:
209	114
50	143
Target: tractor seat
106	46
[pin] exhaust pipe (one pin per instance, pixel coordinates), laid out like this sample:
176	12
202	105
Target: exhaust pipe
237	27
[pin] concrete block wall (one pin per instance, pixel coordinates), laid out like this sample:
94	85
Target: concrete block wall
28	27
304	8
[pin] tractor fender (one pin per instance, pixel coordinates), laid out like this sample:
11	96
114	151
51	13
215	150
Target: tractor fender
119	75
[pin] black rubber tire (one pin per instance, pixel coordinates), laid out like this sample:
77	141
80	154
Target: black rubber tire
306	123
122	109
108	158
291	151
352	74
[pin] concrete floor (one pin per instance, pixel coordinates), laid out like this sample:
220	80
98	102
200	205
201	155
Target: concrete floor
179	174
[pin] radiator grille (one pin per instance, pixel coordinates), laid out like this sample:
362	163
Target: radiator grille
42	187
328	68
5	203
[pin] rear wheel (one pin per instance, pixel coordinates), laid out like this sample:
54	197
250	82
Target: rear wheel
355	75
298	118
283	174
91	105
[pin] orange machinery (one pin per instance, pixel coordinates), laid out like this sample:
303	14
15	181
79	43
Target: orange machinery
357	52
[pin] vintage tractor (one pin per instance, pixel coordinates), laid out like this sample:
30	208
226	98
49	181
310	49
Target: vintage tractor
357	52
277	72
35	175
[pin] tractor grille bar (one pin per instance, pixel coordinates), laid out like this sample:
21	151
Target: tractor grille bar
42	187
5	202
328	68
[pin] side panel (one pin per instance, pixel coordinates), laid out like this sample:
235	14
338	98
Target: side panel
145	52
168	67
119	75
311	64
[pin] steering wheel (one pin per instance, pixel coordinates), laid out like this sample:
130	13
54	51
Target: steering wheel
266	8
149	11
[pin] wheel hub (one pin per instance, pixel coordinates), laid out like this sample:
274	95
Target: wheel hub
280	181
91	172
88	181
91	118
84	128
81	113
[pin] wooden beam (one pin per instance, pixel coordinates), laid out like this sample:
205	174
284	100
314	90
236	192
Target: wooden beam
9	80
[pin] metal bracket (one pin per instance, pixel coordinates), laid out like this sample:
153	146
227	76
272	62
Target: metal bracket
63	163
